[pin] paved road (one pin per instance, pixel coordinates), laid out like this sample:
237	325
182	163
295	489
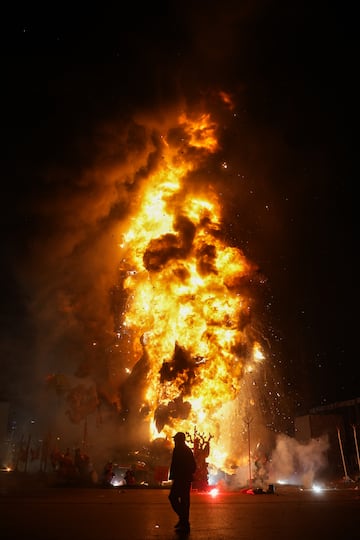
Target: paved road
54	513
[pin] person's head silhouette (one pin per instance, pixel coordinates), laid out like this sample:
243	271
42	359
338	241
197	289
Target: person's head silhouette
179	438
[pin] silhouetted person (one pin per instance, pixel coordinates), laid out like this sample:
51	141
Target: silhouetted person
130	477
182	468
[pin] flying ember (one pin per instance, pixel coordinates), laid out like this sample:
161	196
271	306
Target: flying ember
187	310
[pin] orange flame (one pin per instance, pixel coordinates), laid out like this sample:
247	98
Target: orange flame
187	309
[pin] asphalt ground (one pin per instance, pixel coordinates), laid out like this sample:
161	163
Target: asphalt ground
94	513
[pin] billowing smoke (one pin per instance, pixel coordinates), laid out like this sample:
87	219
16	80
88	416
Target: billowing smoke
288	463
298	463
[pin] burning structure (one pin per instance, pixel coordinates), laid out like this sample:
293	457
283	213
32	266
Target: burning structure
183	303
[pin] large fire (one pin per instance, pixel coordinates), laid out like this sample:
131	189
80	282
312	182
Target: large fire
187	312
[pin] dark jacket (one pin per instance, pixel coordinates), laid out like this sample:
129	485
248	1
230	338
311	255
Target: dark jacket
183	463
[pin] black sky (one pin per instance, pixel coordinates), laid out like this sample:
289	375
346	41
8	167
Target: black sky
71	76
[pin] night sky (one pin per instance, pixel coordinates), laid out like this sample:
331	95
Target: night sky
72	79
